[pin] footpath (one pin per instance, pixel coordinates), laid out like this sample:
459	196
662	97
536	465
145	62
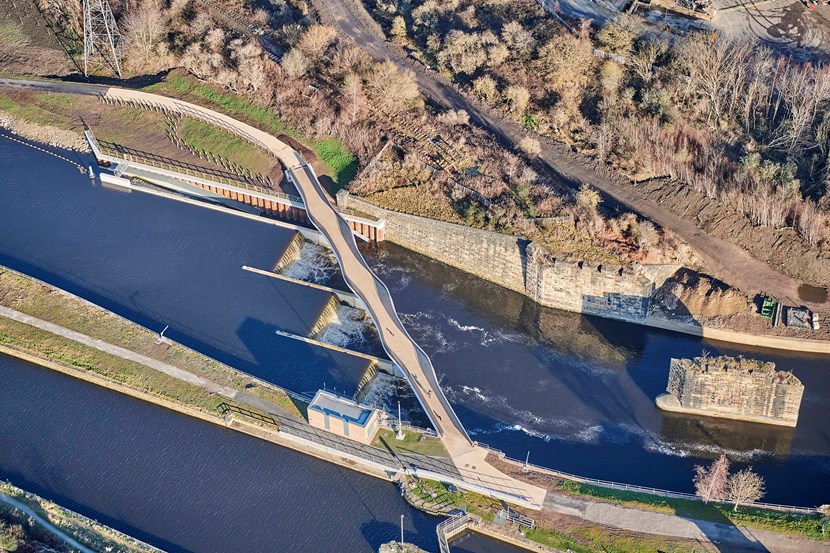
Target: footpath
48	526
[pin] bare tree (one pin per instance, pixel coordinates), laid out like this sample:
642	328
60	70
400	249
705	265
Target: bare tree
530	146
711	483
144	28
295	63
394	89
824	510
744	487
316	39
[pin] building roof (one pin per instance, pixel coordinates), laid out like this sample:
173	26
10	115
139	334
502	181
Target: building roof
341	408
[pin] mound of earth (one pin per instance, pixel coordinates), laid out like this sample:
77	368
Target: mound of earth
691	297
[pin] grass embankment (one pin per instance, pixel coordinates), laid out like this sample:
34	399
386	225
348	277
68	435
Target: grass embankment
44	302
202	136
413	442
581	538
133	127
436	493
331	151
17	529
775	521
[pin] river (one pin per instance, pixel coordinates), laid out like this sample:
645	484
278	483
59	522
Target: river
575	391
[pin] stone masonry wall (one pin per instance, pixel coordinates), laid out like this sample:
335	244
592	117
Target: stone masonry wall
607	291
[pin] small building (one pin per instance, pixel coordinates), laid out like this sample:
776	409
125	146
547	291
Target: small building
344	417
742	389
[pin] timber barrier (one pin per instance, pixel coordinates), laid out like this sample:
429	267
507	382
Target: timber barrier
269	200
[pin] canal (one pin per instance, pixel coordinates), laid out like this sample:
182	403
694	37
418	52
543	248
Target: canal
182	484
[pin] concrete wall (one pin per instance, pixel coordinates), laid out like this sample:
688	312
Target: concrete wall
516	263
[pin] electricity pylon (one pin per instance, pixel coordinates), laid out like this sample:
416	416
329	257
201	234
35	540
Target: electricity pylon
102	41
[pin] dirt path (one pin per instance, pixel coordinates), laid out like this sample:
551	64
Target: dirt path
722	259
48	526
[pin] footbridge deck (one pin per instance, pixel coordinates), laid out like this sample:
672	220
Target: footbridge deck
398	344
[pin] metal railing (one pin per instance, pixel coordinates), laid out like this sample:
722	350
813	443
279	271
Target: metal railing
646	489
108	150
450	528
518	518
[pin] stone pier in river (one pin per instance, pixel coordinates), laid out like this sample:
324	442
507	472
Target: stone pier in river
742	389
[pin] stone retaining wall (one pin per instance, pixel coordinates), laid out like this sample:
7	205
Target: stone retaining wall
618	292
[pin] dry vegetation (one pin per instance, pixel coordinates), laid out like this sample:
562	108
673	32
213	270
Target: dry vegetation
729	118
331	96
500	191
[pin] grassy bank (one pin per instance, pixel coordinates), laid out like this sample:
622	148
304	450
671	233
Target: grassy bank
785	523
560	534
20	533
202	136
331	151
39	300
413	442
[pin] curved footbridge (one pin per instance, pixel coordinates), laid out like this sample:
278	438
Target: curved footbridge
466	455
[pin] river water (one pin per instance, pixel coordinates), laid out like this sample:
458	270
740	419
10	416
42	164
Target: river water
577	392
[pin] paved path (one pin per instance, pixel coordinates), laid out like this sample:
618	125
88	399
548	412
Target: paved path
673	526
48	526
118	351
723	260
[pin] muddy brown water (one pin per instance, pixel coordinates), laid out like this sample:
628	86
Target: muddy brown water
812	294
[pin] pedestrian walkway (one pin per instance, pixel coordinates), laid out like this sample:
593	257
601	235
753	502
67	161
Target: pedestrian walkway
648	522
48	526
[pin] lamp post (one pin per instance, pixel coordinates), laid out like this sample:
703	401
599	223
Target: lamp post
399	435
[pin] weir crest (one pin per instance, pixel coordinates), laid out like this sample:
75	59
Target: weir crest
291	253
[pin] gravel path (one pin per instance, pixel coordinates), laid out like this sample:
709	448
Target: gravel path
44	523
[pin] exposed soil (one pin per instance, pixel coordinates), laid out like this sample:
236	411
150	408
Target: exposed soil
780	248
692	298
689	296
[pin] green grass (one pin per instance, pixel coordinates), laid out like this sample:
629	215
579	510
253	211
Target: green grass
411	443
474	503
203	136
11	34
776	521
596	540
29	112
331	151
33	298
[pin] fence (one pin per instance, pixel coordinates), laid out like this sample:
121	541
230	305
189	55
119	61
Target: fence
513	516
450	528
643	489
111	150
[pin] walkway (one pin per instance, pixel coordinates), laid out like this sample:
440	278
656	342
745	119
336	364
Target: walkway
722	259
398	344
48	526
118	351
648	522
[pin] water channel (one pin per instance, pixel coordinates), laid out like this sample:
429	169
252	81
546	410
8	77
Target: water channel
577	392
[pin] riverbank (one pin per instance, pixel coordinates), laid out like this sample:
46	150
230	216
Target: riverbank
625	293
35	516
274	431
